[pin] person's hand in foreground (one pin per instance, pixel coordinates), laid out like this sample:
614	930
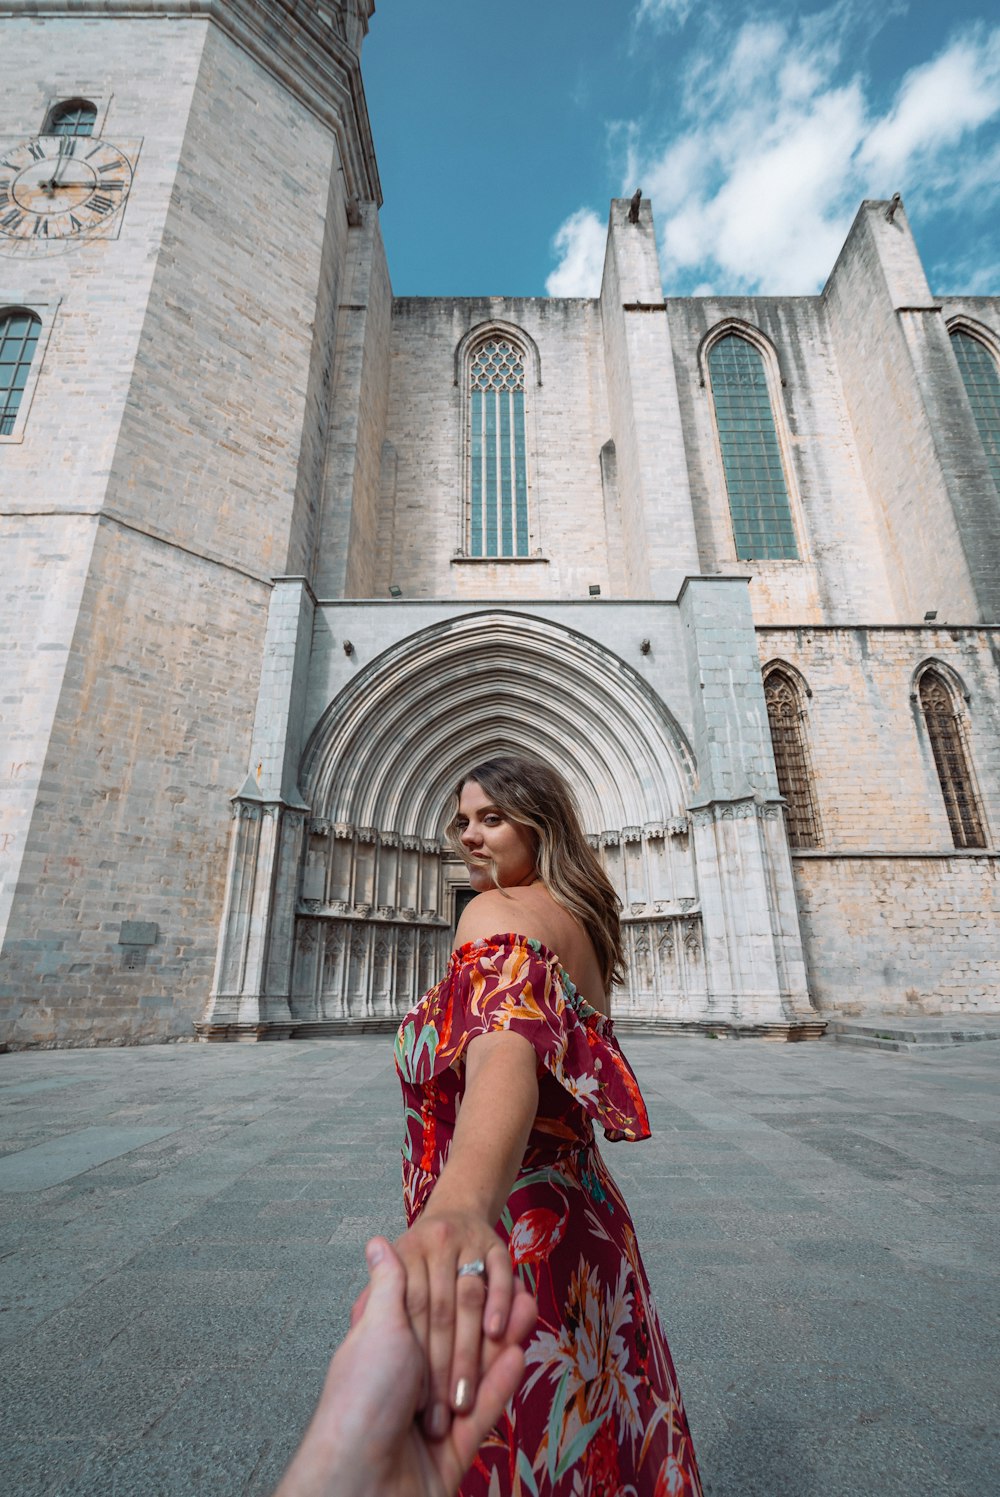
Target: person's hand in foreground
362	1440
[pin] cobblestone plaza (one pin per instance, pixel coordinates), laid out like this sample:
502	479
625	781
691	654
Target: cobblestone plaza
182	1233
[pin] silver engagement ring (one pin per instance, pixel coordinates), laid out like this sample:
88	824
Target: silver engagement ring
477	1267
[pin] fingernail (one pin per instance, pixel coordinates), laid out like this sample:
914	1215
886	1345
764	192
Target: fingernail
437	1424
496	1324
374	1252
463	1391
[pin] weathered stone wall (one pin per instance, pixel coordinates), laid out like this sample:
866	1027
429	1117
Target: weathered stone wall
840	574
356	546
876	786
911	420
888	904
132	816
218	411
54	481
654	496
185	400
567	424
45	571
901	935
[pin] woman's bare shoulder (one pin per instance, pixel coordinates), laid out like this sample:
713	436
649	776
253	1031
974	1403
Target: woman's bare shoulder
517	910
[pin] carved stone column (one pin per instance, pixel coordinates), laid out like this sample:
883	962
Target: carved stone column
250	992
753	953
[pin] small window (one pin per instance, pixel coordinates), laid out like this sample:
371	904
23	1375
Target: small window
751	455
498	473
18	338
982	385
72	117
947	740
786	717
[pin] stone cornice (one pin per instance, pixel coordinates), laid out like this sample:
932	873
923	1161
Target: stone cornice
304	44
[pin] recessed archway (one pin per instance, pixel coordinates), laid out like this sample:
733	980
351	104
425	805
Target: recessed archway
379	892
388	749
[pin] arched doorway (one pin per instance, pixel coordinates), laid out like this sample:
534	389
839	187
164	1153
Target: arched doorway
374	918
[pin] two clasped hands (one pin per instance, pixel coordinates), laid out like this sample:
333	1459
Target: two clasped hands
433	1355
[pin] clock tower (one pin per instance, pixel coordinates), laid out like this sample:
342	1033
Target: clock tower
186	199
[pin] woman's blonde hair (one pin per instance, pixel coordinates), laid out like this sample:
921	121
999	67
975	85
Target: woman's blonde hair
535	796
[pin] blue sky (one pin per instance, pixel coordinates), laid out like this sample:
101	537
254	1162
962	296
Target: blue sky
503	128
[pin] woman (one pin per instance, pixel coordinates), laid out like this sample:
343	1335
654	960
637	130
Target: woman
504	1067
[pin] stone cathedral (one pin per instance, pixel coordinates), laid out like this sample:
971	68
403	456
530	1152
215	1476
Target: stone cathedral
284	554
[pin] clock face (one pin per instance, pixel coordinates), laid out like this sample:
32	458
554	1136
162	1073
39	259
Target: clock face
61	187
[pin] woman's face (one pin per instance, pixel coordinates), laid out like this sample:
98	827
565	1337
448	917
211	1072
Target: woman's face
488	836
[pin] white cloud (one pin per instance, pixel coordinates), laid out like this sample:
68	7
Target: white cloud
663	12
956	92
769	221
777	136
777	140
579	243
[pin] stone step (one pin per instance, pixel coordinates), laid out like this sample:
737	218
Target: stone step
891	1032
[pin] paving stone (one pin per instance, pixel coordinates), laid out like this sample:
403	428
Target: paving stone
834	1333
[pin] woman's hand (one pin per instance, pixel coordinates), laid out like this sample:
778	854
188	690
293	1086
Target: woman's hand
362	1441
450	1312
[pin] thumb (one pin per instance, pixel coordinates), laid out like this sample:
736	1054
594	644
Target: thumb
386	1279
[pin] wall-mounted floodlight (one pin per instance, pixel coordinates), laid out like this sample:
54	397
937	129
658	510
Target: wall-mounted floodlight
931	616
395	591
644	647
348	647
595	589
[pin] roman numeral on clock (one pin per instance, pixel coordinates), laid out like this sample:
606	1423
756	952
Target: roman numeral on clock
100	204
12	220
67	145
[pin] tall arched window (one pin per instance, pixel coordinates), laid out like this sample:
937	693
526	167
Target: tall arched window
947	740
786	717
498	477
72	117
19	331
982	385
751	455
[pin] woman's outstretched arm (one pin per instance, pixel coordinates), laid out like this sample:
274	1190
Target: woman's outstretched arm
449	1314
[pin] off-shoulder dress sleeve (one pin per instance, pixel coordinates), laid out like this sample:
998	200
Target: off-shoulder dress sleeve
507	982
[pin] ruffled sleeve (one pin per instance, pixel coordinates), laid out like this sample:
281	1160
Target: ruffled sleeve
507	982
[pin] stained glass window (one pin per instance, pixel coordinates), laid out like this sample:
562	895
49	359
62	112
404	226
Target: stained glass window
982	384
751	456
787	723
498	487
18	337
944	729
74	117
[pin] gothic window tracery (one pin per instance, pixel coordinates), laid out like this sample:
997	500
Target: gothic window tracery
786	717
498	466
954	772
19	330
982	385
751	454
72	117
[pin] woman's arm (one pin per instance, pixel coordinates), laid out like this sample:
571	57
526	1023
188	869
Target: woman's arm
448	1313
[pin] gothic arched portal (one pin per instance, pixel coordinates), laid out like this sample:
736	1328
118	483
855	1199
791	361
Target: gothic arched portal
379	886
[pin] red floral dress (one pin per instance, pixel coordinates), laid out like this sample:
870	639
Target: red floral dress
599	1412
